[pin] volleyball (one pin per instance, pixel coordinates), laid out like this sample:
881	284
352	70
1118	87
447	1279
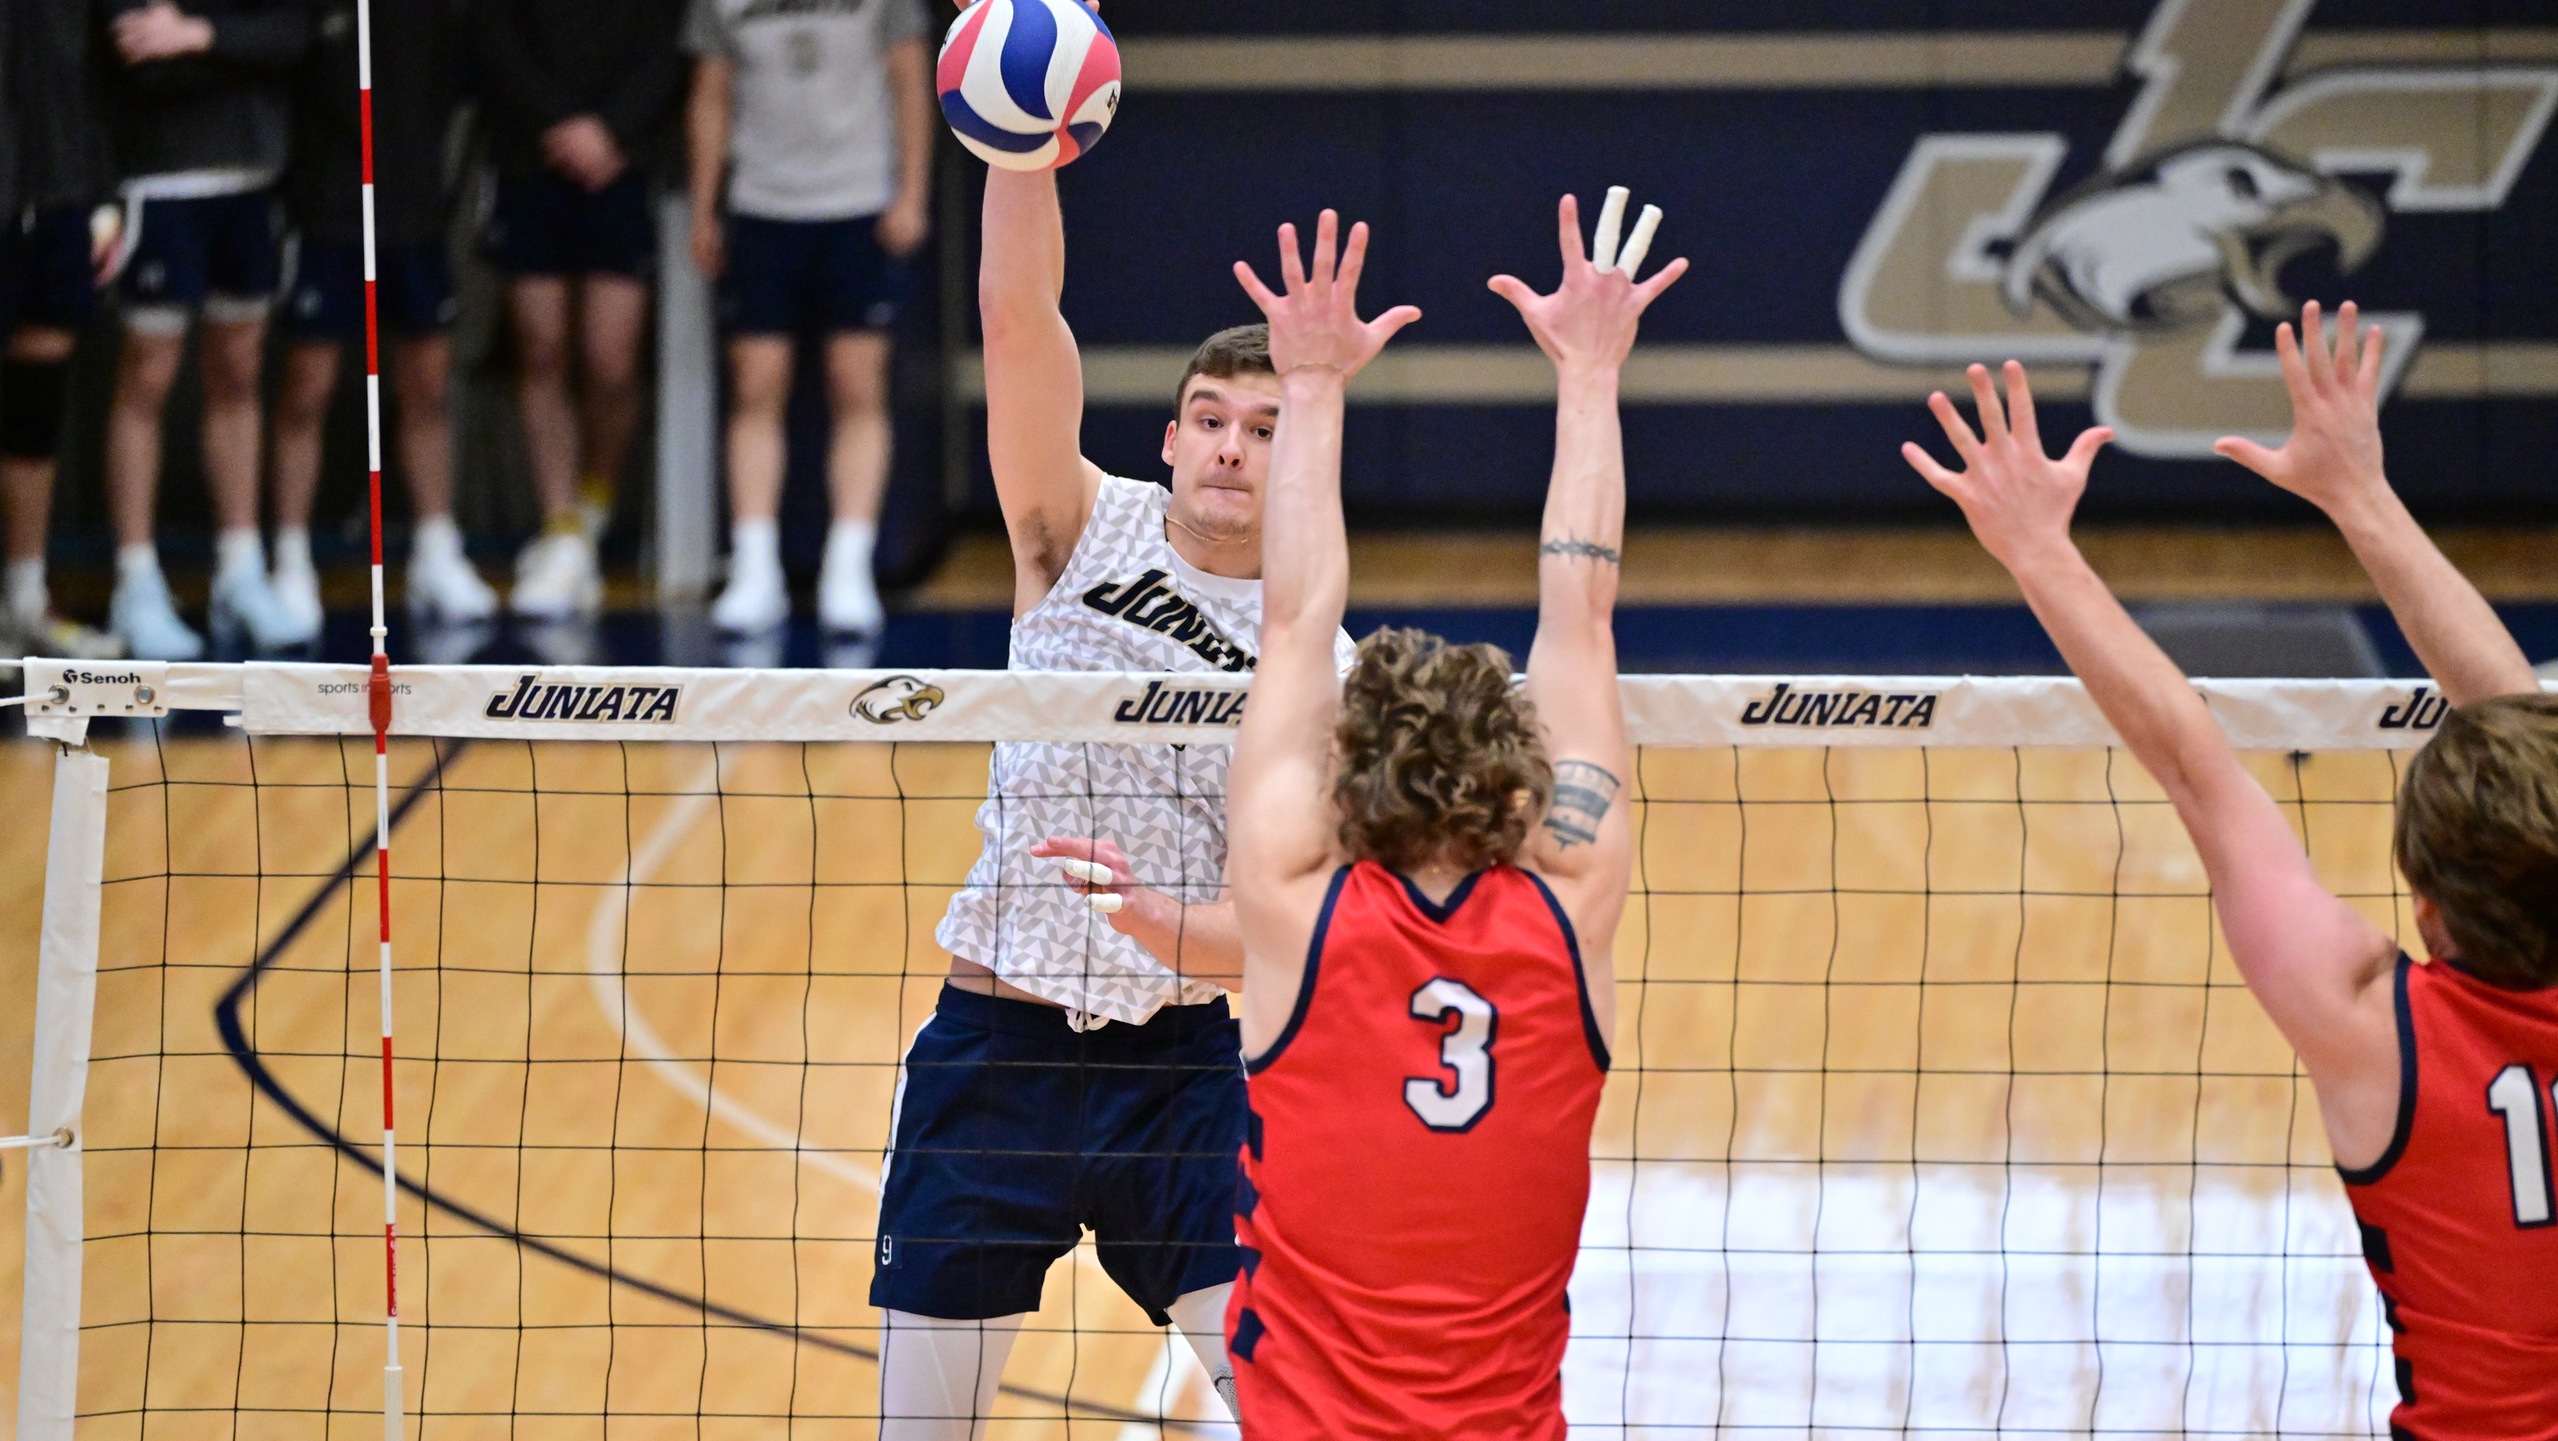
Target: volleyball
1029	84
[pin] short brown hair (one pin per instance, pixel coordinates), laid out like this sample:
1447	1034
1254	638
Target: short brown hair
1439	756
2478	836
1244	350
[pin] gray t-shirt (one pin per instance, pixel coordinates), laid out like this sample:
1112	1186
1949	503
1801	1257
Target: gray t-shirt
815	136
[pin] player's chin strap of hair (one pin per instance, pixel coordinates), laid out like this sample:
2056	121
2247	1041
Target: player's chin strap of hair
34	394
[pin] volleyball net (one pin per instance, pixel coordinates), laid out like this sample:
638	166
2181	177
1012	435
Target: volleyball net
1938	1106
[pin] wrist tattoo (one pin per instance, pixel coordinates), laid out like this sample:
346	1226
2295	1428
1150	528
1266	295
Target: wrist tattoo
1583	796
1574	548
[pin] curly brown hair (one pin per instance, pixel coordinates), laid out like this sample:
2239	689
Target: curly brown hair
2478	836
1439	756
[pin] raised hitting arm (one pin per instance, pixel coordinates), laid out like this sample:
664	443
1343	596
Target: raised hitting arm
2334	461
1587	327
2321	971
1279	824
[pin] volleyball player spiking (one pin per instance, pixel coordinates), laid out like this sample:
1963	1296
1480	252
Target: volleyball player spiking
1083	1071
2436	1082
1429	866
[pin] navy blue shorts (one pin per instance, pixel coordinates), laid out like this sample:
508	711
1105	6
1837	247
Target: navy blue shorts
324	299
1014	1134
45	280
787	277
224	249
548	224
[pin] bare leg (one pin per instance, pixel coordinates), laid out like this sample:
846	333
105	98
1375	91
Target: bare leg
612	320
233	353
1201	1315
937	1379
145	371
421	375
857	396
540	307
301	413
760	376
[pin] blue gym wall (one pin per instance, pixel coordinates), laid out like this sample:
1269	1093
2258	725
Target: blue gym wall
1770	193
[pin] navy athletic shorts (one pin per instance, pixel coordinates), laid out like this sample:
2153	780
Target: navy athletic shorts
45	280
788	277
548	224
223	249
324	299
1015	1134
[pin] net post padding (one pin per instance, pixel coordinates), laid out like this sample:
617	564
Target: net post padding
66	1001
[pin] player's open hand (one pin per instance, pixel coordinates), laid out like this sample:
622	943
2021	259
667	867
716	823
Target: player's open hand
1589	322
2334	455
1316	323
2017	498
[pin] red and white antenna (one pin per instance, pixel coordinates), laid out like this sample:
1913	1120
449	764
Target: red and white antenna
380	693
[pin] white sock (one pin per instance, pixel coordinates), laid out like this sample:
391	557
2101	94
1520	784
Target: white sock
937	1379
848	548
1201	1315
755	548
27	596
292	550
435	538
238	551
137	561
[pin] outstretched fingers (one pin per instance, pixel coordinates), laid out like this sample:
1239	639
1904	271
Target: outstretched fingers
2368	381
1354	260
2313	344
1569	216
1252	286
2082	456
1327	253
1650	290
1985	399
1292	259
1930	471
1966	444
2020	408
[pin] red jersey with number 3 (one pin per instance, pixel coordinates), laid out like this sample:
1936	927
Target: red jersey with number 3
1416	1168
2460	1217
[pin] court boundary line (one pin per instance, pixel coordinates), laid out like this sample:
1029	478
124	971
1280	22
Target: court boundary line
226	1017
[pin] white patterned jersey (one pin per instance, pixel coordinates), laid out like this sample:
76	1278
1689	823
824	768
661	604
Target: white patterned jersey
1127	602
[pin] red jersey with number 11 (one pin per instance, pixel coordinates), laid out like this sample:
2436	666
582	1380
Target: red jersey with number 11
1416	1168
2460	1217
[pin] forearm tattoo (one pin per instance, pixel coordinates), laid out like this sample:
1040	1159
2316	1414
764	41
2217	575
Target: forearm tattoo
1583	795
1574	548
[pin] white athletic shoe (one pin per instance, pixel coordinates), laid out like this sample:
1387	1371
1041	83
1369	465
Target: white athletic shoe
848	601
555	578
297	599
54	638
443	587
246	607
754	602
145	619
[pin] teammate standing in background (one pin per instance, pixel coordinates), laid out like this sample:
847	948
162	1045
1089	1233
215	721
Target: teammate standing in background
54	175
1429	867
415	92
580	96
818	120
203	127
2436	1082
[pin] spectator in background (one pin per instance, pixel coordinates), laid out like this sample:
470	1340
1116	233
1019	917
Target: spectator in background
820	119
54	243
580	95
415	91
202	130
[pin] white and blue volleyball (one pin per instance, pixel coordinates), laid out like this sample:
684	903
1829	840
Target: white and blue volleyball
1029	84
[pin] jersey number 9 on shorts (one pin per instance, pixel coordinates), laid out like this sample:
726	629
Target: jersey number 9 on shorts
1454	1102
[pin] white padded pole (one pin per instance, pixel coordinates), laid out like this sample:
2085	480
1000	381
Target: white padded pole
66	1000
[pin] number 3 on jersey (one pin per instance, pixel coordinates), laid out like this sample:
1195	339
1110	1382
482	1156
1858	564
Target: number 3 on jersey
1466	1052
2515	1096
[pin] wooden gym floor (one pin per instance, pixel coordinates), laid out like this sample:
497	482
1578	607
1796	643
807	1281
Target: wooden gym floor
1937	1105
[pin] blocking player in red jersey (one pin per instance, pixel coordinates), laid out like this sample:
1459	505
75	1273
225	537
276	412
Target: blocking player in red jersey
1428	867
2436	1082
